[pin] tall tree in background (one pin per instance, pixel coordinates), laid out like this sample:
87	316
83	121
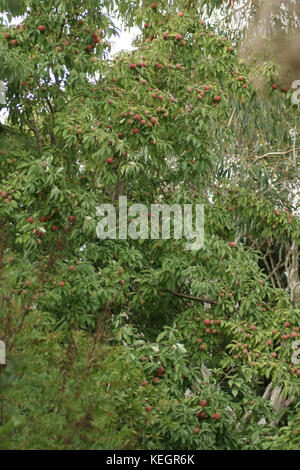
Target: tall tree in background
159	346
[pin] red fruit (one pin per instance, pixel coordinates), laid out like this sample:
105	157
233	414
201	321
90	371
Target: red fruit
274	332
269	342
72	267
203	403
218	322
30	220
43	219
109	160
148	408
71	218
146	25
202	346
143	384
122	282
216	416
274	86
284	89
88	47
135	131
166	35
54	228
156	380
132	66
206	321
180	14
217	98
199	340
287	324
230	48
274	354
178	37
202	415
154	5
6	35
61	284
207	330
229	295
214	331
42	28
261	282
240	78
27	283
143	359
197	430
14	42
233	244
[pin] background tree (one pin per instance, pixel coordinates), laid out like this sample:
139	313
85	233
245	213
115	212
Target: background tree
182	349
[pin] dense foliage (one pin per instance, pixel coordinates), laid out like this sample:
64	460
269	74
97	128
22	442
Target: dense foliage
142	344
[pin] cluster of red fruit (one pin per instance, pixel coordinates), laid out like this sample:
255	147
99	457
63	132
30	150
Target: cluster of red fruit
202	415
54	228
160	373
4	196
96	40
208	322
283	89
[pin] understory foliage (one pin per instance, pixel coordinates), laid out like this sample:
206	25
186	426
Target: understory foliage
143	344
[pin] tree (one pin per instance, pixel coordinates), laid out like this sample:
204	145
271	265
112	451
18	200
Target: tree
198	338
